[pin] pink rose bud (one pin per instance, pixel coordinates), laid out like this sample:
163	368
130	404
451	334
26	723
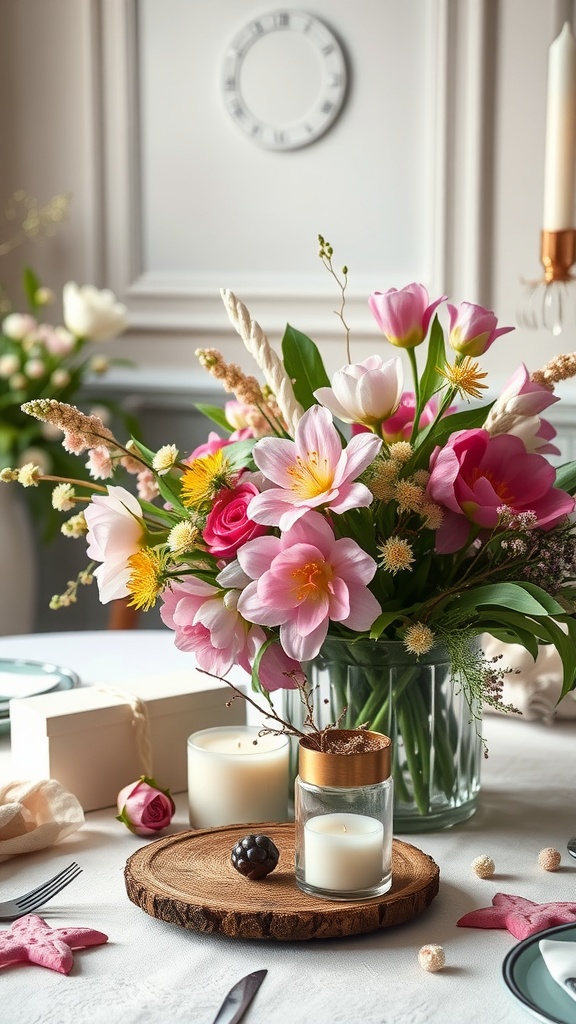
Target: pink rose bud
144	807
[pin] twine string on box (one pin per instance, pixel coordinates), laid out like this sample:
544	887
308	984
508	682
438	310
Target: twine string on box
140	724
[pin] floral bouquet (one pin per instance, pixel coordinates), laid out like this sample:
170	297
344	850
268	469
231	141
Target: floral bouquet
39	361
344	512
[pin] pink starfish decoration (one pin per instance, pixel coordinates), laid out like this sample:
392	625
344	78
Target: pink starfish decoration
31	940
521	917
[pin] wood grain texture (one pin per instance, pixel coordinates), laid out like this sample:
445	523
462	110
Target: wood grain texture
188	880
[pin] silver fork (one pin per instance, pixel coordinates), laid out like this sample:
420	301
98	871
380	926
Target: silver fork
31	901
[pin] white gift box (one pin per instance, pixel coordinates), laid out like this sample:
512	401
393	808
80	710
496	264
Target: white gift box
93	741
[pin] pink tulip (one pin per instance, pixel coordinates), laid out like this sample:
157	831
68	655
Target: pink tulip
366	392
473	329
404	315
313	471
474	475
305	579
517	410
145	808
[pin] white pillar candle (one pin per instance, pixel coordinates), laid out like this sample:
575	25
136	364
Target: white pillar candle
560	153
343	852
236	776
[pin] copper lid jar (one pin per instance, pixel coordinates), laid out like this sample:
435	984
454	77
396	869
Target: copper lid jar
343	815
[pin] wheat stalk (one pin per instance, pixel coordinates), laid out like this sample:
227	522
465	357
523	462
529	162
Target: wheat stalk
260	349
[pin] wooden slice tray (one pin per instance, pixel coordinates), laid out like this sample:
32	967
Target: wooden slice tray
188	880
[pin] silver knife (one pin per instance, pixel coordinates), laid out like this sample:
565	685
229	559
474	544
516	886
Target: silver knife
239	998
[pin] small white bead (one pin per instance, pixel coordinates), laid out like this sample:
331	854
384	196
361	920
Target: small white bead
483	866
432	958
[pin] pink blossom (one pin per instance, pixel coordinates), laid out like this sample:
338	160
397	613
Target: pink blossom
115	532
57	340
365	392
312	471
207	623
473	329
147	485
213	444
276	671
237	414
399	426
404	315
517	412
145	808
305	579
228	525
100	465
475	474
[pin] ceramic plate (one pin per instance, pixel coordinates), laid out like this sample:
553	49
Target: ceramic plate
19	678
530	982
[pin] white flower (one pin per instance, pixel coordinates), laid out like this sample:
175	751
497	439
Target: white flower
91	313
62	497
17	325
115	532
366	392
34	369
9	364
60	378
165	458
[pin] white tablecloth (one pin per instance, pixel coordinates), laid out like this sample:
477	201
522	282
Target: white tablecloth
151	972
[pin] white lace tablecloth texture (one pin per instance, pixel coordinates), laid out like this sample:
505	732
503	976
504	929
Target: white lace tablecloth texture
151	972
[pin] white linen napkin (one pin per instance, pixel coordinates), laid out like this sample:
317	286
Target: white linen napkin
533	687
34	815
560	959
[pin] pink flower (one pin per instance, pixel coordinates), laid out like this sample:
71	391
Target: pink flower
399	426
312	471
207	623
305	579
100	465
516	412
227	525
473	329
145	808
404	315
115	532
276	671
366	392
213	444
475	474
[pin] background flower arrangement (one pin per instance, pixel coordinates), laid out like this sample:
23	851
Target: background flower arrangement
39	361
429	524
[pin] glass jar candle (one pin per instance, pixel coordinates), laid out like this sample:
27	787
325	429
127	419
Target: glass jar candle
343	815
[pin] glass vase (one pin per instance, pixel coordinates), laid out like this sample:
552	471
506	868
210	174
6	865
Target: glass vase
425	709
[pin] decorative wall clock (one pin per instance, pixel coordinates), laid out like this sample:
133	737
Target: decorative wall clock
284	79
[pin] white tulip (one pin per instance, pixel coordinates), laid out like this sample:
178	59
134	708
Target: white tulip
91	313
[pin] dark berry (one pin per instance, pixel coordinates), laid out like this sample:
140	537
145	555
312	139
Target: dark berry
255	856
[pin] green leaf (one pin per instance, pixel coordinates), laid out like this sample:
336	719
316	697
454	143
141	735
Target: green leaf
502	597
216	414
31	283
382	622
303	364
566	477
431	380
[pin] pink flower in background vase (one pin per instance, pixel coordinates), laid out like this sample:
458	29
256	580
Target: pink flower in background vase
144	807
305	579
403	315
517	410
312	471
228	526
473	328
366	392
474	475
115	532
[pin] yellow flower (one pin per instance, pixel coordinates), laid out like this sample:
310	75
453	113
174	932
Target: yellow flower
204	478
396	554
465	376
147	577
418	639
